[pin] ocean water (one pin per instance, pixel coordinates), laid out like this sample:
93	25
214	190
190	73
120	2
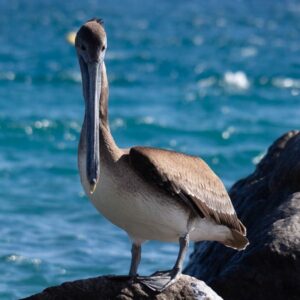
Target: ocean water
218	79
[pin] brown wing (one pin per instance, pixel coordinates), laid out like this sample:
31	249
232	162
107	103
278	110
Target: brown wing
188	178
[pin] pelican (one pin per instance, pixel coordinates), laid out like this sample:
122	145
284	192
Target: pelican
152	194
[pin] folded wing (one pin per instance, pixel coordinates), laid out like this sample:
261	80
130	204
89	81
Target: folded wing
189	179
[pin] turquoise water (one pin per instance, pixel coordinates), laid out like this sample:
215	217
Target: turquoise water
220	79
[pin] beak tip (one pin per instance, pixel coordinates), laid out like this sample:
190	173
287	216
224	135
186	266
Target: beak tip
93	186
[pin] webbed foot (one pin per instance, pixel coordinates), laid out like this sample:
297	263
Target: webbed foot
160	280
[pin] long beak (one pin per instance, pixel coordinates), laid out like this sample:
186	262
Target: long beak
91	79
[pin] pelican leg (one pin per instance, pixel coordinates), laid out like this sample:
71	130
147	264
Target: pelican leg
160	280
135	259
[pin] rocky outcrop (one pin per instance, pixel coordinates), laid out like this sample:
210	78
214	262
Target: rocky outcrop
122	288
268	203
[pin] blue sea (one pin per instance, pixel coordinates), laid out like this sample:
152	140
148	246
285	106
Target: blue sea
218	79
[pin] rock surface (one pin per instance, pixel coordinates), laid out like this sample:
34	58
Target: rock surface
121	288
268	203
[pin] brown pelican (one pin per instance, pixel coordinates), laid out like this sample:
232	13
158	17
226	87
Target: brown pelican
153	194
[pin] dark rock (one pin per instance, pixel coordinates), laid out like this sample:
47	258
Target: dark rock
268	203
121	288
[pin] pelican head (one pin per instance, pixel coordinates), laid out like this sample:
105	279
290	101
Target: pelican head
91	45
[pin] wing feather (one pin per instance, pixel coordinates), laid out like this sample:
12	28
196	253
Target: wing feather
189	179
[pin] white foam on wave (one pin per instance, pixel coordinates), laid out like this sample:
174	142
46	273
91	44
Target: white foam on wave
256	160
237	80
248	52
146	120
207	82
43	124
117	55
199	68
286	83
28	130
117	123
22	259
226	134
190	96
70	75
10	76
69	136
74	125
75	76
198	40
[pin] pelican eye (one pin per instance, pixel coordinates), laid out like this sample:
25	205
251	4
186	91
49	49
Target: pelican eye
82	47
103	48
